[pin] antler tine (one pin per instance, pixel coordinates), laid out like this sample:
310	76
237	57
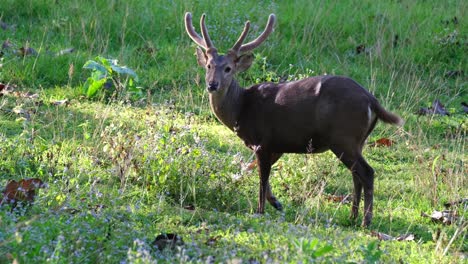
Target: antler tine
205	35
241	39
256	42
191	31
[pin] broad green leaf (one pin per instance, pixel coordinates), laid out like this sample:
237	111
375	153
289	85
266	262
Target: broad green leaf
94	87
124	71
97	75
95	66
322	251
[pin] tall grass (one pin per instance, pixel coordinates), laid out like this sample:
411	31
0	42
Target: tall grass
121	173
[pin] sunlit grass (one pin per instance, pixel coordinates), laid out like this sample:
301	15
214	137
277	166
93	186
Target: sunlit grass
121	173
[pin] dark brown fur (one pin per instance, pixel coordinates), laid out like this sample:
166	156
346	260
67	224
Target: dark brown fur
311	115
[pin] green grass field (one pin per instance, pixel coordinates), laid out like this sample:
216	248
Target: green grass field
126	167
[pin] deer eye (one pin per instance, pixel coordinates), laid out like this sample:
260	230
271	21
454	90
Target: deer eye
227	70
208	66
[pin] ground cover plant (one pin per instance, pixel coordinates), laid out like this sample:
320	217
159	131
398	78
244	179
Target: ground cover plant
149	175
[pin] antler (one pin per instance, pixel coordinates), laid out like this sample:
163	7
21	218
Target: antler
241	39
237	48
204	42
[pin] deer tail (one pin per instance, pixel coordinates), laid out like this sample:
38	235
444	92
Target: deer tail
386	116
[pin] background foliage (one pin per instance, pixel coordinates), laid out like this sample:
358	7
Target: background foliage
122	171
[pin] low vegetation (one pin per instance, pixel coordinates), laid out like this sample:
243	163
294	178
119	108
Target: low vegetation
139	170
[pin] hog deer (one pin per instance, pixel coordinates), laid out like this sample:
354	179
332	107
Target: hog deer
311	115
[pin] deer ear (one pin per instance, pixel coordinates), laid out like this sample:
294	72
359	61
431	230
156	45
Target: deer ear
244	62
201	57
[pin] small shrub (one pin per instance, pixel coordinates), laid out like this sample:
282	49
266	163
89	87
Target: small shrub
111	78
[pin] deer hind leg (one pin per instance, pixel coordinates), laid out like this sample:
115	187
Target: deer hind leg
368	183
356	197
363	177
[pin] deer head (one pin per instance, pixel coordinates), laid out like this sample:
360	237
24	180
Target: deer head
220	69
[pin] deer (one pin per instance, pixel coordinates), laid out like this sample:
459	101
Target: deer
307	116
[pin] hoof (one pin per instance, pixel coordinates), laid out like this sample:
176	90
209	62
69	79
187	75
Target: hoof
277	205
366	223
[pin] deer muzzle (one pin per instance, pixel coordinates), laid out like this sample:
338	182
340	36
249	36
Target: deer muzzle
212	86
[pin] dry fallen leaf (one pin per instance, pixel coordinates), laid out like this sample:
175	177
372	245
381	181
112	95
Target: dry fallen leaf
61	102
22	191
340	198
437	108
164	240
382	142
361	49
189	207
65	51
446	217
28	95
212	240
453	203
6	26
251	165
7	45
453	74
6	89
26	51
385	237
464	107
382	236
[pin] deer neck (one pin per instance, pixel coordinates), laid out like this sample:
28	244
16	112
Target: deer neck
227	106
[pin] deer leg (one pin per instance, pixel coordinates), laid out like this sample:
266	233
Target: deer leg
356	196
269	195
264	163
363	177
368	183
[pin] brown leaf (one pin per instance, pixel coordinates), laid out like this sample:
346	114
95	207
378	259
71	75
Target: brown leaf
445	217
405	237
5	26
6	89
212	240
464	107
382	236
189	207
164	240
361	49
28	95
340	198
251	165
453	74
437	108
22	191
26	51
453	203
385	237
61	102
382	142
7	45
65	51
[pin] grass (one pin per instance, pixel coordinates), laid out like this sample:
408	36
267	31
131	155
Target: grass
121	173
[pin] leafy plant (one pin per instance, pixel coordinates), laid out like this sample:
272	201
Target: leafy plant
111	78
312	248
371	252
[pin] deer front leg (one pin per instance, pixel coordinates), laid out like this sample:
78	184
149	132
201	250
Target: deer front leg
270	197
264	163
